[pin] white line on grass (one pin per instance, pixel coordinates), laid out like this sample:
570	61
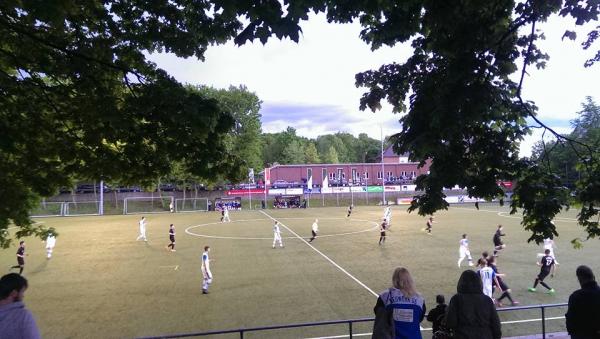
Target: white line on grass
187	230
503	214
429	329
326	257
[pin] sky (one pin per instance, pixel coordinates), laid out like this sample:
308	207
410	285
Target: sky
309	85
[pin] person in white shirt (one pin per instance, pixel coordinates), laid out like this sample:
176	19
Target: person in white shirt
387	216
50	243
488	278
142	235
463	251
225	217
315	230
277	235
206	273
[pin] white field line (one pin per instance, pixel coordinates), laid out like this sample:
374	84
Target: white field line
429	329
504	214
326	257
187	230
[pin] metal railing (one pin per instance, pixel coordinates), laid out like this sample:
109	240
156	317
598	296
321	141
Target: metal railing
350	322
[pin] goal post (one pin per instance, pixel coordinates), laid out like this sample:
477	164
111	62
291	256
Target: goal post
191	205
137	205
81	208
48	209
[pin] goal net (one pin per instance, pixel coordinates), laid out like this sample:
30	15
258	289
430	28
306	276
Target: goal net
191	205
48	209
136	205
81	208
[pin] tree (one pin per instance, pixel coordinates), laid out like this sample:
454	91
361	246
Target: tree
77	74
245	139
331	157
311	156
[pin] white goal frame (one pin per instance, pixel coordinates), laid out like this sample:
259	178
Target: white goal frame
191	200
67	208
126	200
60	213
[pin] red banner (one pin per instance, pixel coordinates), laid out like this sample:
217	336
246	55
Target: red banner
246	192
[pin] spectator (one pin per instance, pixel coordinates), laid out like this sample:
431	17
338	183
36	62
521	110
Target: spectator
437	314
400	309
471	314
16	322
583	319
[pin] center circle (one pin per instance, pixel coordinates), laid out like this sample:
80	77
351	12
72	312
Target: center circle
187	230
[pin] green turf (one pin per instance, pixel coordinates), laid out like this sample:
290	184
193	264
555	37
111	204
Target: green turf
101	283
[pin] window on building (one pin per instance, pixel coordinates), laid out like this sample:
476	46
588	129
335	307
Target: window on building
366	176
323	173
379	175
389	175
354	178
340	173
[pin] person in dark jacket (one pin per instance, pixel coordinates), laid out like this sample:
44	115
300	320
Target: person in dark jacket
471	314
583	318
437	314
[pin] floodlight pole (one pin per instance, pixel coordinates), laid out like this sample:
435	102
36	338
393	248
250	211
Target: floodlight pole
101	205
382	167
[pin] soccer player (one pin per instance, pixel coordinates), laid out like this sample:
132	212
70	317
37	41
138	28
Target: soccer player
277	235
549	245
349	210
225	214
503	287
382	228
463	251
50	243
547	268
498	244
429	225
488	278
172	237
142	235
387	216
171	207
314	230
206	274
20	257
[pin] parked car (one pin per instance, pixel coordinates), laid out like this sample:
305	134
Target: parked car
167	187
90	188
280	184
121	189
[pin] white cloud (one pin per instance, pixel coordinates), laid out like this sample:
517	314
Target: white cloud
319	72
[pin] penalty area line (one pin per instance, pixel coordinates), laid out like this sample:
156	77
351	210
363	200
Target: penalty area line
324	256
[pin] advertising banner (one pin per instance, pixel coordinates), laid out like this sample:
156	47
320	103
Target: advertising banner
246	192
374	189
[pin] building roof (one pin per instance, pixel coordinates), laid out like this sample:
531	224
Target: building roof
389	152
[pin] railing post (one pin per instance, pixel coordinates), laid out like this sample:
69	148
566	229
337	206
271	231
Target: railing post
543	322
350	328
241	334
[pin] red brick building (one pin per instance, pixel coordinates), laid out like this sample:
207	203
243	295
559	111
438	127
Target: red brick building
396	170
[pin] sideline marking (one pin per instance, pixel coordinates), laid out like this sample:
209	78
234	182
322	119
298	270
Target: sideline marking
175	267
187	230
429	329
326	257
504	214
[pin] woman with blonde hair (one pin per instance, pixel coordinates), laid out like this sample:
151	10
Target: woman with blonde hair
400	309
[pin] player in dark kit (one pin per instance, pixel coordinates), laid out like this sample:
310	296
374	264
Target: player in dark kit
503	287
382	232
20	257
429	225
172	238
498	244
548	267
349	210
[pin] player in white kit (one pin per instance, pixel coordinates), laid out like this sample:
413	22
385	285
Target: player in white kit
387	217
142	235
225	217
206	273
463	251
314	230
488	278
277	235
50	243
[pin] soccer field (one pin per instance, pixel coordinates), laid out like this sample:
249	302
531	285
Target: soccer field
102	283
